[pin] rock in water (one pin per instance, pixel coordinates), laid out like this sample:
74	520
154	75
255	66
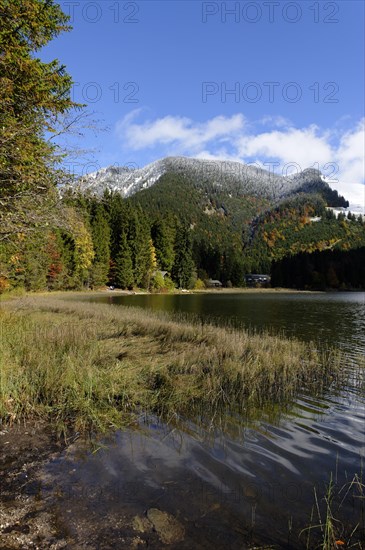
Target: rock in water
167	527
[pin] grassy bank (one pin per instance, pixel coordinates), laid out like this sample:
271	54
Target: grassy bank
85	365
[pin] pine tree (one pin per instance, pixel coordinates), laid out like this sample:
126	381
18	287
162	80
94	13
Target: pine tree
123	265
118	219
100	232
182	270
139	239
35	261
163	240
67	247
33	97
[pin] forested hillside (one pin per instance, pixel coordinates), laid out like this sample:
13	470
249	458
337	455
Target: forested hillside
35	102
297	225
174	223
191	233
217	220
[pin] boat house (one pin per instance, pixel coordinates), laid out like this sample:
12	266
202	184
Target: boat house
255	279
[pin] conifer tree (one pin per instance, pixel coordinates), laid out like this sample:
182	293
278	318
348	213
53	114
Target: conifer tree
100	232
182	270
139	239
163	240
118	220
33	96
123	265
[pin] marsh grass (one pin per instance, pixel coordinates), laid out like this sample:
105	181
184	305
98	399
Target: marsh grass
85	365
328	529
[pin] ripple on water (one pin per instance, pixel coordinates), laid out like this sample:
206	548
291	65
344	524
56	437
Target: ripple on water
226	487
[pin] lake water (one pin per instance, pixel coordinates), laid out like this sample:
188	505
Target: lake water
252	484
333	319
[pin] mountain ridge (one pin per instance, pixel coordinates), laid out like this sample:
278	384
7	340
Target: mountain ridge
229	176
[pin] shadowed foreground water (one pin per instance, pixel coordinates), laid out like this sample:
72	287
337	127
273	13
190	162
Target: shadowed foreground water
249	484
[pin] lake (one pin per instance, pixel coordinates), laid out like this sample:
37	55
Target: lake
251	483
333	319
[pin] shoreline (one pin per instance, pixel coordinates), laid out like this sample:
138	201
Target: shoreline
84	369
6	297
14	295
42	331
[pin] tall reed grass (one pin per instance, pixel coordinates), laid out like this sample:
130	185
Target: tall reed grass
91	365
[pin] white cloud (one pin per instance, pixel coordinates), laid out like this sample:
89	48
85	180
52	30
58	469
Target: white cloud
301	146
351	153
336	153
180	132
220	154
353	192
275	121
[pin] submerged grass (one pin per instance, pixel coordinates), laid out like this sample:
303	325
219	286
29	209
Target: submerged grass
95	365
327	529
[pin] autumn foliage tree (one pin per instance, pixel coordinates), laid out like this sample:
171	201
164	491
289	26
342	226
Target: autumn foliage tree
33	97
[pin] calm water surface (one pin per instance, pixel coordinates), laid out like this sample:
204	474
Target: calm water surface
335	319
250	483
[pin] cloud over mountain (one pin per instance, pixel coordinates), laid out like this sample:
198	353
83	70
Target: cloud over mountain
279	147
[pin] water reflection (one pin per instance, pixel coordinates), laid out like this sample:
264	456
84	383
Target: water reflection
331	319
249	482
228	491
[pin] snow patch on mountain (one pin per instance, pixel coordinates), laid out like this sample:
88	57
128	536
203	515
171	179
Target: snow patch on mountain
232	176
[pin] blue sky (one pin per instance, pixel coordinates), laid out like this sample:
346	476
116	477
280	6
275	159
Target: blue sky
276	83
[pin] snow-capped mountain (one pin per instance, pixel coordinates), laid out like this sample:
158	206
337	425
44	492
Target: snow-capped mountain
228	175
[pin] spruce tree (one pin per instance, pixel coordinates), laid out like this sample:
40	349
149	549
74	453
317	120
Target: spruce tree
139	239
163	240
100	232
123	264
182	270
33	97
118	220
